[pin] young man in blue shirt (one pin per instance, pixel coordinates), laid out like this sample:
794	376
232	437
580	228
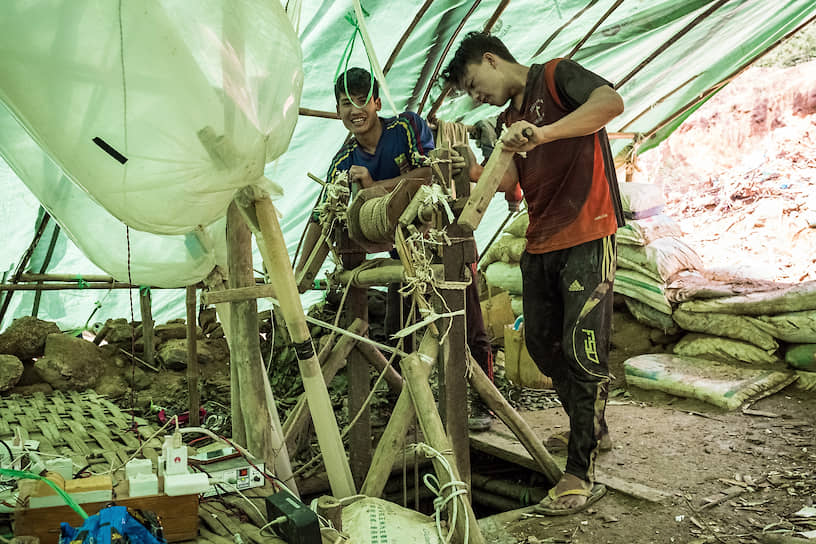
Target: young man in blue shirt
382	151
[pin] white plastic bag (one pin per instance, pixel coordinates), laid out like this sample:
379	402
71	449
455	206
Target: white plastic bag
160	109
371	520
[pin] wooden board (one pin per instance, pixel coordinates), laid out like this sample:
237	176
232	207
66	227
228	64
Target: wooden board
501	443
179	517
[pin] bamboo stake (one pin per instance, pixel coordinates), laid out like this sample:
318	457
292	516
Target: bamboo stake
378	361
496	402
392	440
299	415
192	357
416	373
282	279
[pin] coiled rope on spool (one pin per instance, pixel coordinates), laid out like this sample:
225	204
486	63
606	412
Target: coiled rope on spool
374	220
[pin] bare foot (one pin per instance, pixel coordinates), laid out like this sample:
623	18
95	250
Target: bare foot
566	483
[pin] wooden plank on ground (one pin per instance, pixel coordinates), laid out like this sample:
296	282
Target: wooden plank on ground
504	445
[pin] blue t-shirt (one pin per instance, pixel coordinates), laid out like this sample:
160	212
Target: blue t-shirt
401	137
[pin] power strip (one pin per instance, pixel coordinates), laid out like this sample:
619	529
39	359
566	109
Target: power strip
237	472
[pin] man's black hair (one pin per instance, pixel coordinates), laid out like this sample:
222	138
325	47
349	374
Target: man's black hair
358	82
470	50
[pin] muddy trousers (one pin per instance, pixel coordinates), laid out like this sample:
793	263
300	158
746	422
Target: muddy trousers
567	324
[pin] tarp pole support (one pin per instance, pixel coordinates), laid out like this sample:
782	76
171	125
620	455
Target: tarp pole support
697	20
562	27
594	28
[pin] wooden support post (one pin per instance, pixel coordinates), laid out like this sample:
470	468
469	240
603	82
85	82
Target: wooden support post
496	402
359	387
486	187
453	370
251	394
192	357
146	306
334	361
453	382
282	279
416	373
392	440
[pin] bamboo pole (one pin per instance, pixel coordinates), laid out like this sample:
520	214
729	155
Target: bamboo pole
63	286
44	266
23	263
192	357
592	30
392	440
336	359
378	361
416	373
91	278
282	279
380	275
496	402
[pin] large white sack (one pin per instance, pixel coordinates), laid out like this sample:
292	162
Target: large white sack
661	260
505	276
641	200
640	232
159	109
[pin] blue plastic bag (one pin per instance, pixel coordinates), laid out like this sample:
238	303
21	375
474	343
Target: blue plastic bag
115	524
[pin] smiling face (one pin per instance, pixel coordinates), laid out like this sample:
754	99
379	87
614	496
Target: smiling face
358	120
484	82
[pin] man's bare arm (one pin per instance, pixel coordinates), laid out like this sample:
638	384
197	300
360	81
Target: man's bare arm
603	105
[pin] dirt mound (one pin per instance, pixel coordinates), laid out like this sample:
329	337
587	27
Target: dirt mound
740	175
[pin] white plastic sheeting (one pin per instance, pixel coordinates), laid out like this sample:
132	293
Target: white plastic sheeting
159	110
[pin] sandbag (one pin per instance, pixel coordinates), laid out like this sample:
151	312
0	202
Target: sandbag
372	520
717	383
643	288
505	276
692	285
517	303
726	350
795	327
661	259
641	200
651	317
507	249
793	298
806	380
731	326
518	227
640	232
802	356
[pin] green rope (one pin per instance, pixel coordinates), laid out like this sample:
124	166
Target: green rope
81	284
346	57
21	474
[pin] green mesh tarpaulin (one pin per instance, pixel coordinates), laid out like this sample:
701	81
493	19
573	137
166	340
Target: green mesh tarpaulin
665	57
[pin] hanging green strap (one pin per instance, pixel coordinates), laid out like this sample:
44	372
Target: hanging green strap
346	57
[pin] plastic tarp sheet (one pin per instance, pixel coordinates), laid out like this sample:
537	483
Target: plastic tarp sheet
728	36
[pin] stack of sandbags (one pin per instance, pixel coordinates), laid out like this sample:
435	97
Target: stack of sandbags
651	253
500	263
759	328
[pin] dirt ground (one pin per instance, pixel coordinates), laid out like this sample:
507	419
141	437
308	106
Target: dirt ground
695	453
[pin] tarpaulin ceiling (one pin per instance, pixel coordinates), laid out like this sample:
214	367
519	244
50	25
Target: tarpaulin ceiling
664	57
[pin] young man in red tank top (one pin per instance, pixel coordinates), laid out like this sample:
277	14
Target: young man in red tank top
568	180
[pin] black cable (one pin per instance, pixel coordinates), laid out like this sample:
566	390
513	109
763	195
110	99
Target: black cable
8	449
